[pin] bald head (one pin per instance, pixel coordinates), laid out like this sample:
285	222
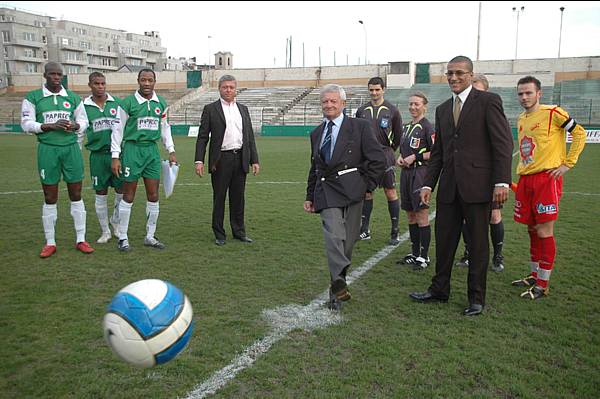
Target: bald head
53	73
52	66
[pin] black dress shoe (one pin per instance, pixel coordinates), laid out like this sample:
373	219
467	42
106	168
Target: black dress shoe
219	242
245	239
339	289
473	310
426	297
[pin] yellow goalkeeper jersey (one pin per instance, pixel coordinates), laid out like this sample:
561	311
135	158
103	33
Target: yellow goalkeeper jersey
542	140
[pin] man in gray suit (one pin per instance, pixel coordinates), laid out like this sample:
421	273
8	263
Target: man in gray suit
346	161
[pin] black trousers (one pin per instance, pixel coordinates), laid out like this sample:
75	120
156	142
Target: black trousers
448	223
229	176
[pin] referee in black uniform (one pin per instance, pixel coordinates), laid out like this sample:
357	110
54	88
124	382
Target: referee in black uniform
386	123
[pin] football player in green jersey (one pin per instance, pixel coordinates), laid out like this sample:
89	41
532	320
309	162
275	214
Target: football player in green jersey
101	109
143	121
57	117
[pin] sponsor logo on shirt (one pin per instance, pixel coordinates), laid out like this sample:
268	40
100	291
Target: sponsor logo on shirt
55	116
148	123
415	142
113	111
157	111
549	209
526	148
67	105
102	124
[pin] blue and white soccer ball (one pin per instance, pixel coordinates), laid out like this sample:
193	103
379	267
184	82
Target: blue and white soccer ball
148	322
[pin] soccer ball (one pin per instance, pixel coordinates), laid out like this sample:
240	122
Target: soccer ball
148	322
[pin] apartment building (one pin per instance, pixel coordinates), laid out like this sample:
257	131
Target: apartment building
29	40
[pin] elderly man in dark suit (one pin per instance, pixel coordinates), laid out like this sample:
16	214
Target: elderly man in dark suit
346	161
471	159
231	153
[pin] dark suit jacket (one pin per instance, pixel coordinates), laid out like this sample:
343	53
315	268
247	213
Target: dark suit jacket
475	155
356	147
213	124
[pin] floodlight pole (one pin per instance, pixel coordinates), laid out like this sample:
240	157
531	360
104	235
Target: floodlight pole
519	12
562	9
208	63
478	30
360	21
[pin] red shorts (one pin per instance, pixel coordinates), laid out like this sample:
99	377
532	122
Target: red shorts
537	198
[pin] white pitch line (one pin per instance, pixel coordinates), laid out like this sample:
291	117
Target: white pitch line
20	192
285	319
578	193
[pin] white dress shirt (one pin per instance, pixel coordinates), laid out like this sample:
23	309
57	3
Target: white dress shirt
463	96
233	138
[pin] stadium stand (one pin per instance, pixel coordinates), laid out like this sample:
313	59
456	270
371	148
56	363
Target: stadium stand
301	105
581	98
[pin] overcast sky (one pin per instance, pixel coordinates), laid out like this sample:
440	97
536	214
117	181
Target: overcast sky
256	32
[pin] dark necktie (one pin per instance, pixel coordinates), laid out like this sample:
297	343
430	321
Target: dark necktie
326	146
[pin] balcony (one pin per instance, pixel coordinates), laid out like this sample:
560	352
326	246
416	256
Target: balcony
27	43
27	59
73	62
136	56
103	53
153	49
104	67
71	47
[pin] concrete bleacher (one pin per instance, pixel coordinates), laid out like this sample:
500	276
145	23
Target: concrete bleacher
266	104
10	108
440	92
581	98
308	110
301	105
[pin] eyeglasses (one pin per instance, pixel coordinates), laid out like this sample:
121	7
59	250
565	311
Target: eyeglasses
458	74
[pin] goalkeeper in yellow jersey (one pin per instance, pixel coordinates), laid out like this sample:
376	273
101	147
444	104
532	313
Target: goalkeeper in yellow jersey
543	161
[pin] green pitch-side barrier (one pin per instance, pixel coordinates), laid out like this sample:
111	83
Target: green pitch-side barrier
274	130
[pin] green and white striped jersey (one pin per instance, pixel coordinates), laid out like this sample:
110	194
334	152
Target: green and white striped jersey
42	106
101	122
